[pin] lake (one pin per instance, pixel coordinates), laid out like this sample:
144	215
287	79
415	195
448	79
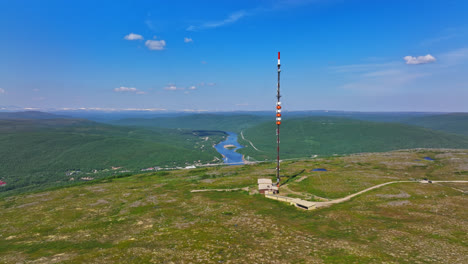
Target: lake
230	156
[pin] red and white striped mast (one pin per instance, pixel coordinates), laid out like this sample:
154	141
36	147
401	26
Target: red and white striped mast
278	123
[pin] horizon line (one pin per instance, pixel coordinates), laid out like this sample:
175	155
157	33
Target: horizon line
162	110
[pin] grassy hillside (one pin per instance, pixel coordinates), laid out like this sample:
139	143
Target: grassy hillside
154	218
453	123
306	137
225	122
34	153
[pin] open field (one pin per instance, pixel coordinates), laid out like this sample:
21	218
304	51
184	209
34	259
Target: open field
155	218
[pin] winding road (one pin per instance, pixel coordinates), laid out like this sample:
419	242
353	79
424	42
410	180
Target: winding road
251	144
347	198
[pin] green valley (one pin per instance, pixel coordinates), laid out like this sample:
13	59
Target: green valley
49	152
306	137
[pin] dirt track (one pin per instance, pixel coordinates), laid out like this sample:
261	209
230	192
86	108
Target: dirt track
242	134
347	198
221	190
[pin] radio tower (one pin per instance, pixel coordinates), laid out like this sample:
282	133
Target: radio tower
278	123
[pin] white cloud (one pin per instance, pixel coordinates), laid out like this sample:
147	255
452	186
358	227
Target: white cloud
155	44
229	20
203	62
172	87
133	36
123	89
188	40
2	91
419	60
207	84
36	90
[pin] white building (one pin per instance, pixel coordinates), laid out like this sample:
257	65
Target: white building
266	186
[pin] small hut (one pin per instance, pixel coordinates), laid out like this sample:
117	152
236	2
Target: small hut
266	186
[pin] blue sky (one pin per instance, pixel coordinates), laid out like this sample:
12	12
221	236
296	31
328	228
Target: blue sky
221	55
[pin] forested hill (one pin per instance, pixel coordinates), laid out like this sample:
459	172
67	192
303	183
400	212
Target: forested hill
452	123
36	153
225	122
305	137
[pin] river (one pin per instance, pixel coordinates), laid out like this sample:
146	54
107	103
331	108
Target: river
230	156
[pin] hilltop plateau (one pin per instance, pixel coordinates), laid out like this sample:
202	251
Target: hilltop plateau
154	217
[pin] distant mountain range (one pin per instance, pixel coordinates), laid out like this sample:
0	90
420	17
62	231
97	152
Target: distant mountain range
225	122
30	115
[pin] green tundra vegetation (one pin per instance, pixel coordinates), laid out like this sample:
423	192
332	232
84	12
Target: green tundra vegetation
326	136
155	218
50	152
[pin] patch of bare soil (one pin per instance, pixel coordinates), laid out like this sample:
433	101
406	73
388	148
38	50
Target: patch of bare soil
137	204
208	180
26	205
58	258
302	178
398	203
96	189
463	166
38	195
400	195
99	202
401	165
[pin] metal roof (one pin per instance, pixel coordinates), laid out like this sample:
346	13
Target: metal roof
264	181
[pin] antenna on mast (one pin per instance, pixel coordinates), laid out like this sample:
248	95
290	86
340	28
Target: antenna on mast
278	123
